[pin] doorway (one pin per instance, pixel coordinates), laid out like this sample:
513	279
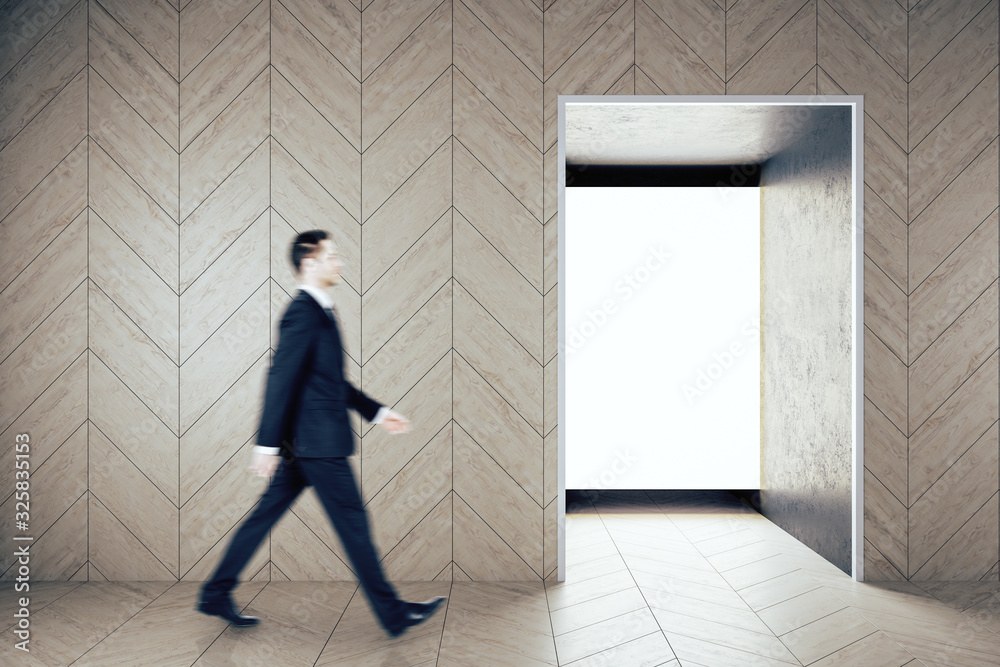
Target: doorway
809	155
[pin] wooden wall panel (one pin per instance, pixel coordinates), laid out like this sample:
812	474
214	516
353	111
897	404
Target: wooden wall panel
666	63
224	305
43	289
784	62
224	145
953	314
423	135
25	24
406	289
135	339
133	73
28	87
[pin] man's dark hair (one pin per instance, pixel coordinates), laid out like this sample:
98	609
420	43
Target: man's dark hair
306	244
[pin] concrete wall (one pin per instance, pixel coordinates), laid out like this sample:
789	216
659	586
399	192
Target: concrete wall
806	204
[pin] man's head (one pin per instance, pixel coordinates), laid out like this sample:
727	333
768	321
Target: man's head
315	259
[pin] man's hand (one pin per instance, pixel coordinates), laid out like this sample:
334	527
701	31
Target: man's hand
393	422
264	465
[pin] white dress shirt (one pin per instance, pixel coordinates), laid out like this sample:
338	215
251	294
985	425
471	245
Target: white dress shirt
323	299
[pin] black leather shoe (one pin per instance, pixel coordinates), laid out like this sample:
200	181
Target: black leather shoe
226	610
417	613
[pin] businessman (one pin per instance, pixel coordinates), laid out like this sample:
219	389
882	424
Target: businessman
304	440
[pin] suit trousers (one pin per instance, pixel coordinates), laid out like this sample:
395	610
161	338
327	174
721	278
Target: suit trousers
334	482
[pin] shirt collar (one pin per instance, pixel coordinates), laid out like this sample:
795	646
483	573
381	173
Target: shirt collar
321	297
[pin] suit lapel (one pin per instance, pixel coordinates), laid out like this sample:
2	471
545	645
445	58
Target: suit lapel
329	320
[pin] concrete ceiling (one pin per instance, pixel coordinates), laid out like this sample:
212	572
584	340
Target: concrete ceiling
683	134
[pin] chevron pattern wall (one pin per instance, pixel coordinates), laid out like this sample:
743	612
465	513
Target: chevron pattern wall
157	157
930	79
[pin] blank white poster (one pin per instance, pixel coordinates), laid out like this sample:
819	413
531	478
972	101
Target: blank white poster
660	336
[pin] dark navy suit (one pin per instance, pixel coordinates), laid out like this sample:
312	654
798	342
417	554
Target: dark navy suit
305	413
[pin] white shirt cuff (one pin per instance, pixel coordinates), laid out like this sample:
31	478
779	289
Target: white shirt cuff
380	415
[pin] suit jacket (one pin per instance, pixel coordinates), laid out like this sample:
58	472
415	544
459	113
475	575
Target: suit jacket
307	395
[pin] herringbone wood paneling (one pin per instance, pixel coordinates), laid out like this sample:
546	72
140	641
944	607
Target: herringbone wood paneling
406	198
43	243
953	297
135	411
422	134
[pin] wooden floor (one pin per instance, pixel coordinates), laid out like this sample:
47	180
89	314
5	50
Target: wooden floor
671	579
